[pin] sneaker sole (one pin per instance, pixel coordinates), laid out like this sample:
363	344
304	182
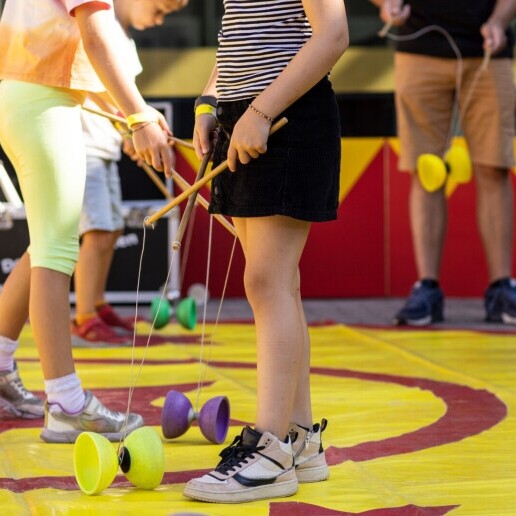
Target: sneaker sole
308	475
248	494
49	436
508	319
79	342
425	321
122	332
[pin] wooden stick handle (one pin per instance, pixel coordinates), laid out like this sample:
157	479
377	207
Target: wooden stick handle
199	184
485	61
183	184
204	203
176	244
385	29
116	118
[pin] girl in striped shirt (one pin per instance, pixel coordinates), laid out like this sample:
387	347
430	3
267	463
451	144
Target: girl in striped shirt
273	60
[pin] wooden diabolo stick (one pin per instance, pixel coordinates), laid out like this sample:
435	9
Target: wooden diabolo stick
176	244
183	184
385	29
199	184
204	203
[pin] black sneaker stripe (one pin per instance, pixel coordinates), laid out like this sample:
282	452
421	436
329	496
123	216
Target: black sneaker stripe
272	460
253	482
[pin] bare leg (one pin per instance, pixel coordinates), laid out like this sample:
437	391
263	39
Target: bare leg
495	216
14	299
302	411
428	225
50	320
273	247
91	273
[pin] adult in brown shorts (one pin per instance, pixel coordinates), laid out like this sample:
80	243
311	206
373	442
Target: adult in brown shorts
428	74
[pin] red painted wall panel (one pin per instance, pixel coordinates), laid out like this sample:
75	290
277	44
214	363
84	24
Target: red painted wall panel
367	252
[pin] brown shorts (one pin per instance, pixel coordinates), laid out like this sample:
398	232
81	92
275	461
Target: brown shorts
424	106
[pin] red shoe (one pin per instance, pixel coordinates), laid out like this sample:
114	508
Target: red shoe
96	333
108	314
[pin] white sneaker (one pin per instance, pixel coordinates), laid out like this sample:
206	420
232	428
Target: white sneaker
309	455
254	467
16	400
62	427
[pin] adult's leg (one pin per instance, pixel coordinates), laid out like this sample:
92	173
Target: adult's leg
273	247
428	217
424	105
495	219
489	129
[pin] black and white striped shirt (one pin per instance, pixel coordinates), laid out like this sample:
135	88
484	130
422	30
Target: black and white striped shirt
256	42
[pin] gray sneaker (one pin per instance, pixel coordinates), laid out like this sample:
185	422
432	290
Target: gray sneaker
16	400
62	427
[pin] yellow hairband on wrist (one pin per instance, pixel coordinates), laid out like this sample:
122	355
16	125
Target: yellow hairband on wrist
138	118
203	109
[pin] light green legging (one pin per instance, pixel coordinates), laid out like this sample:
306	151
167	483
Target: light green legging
40	131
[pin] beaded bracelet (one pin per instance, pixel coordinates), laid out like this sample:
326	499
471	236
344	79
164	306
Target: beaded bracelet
263	115
142	126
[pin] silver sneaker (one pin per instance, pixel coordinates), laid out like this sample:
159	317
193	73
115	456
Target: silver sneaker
309	455
62	427
16	400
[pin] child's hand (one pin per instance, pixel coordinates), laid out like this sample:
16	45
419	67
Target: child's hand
129	150
249	139
161	121
151	144
204	136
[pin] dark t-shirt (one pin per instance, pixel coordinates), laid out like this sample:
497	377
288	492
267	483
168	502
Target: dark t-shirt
461	18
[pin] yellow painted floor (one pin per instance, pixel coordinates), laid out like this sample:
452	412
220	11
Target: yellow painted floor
420	423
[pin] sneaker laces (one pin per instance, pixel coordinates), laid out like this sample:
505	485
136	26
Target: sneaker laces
418	296
103	411
235	454
18	386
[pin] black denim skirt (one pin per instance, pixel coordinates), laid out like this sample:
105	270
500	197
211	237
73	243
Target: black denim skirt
298	176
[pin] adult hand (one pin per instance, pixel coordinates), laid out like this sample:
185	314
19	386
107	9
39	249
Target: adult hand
179	4
394	12
494	36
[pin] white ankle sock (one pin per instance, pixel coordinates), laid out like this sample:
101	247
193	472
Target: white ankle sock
67	392
7	350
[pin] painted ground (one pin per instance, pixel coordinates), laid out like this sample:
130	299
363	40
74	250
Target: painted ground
420	423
